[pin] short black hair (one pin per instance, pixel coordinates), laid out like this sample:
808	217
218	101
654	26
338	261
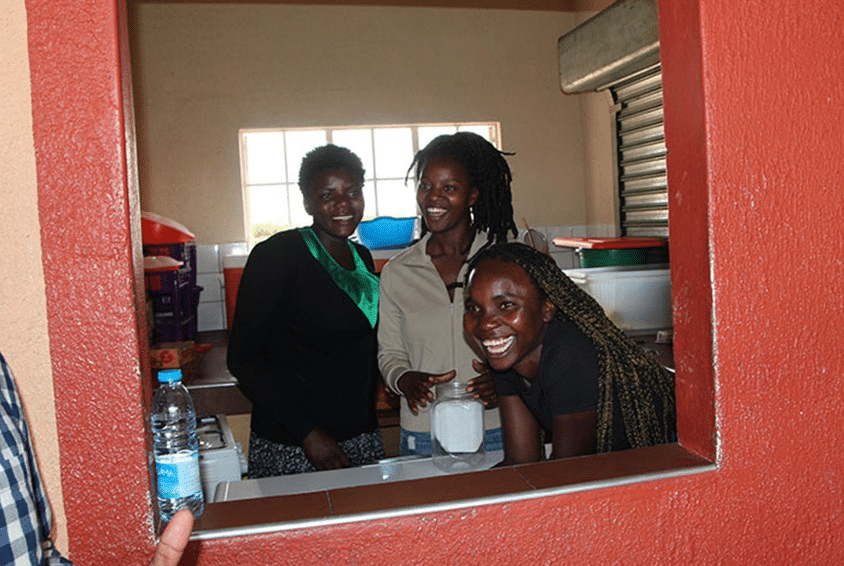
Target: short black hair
327	157
489	173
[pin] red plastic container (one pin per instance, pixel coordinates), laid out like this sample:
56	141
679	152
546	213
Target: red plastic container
156	229
232	271
165	237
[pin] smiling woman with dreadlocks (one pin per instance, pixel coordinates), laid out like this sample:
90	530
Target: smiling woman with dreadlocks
463	193
560	364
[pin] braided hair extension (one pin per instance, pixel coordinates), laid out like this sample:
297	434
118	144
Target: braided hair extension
327	157
488	170
628	374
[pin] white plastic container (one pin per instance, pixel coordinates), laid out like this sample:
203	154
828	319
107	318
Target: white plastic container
635	297
457	428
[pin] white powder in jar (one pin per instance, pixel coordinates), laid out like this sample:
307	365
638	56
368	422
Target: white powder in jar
458	425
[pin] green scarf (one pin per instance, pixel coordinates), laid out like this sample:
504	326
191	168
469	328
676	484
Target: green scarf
359	284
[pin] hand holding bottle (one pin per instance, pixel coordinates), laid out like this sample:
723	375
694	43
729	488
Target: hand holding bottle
174	539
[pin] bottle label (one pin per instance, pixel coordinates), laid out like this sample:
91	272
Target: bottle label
178	474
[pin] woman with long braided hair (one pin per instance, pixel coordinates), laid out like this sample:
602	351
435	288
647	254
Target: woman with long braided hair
560	364
463	193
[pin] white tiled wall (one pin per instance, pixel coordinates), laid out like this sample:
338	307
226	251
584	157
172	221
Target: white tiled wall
212	299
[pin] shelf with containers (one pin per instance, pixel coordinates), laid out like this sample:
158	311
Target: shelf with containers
170	278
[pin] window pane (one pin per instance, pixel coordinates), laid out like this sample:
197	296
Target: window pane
264	152
427	133
267	210
371	204
396	199
393	152
300	142
360	142
482	130
298	216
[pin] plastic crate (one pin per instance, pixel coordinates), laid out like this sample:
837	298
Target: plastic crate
184	252
175	314
636	298
166	281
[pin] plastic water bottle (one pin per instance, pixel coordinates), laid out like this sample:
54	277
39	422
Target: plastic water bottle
176	447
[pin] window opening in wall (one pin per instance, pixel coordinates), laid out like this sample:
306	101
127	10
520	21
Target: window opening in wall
270	160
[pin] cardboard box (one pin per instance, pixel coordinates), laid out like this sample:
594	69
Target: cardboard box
171	355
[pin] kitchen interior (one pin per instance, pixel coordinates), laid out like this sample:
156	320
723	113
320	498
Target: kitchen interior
202	71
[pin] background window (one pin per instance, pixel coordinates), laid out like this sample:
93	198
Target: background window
270	160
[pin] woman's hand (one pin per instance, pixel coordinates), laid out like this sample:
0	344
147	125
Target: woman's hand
323	451
483	386
416	387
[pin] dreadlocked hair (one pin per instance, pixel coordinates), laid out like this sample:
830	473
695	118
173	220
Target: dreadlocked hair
489	172
628	374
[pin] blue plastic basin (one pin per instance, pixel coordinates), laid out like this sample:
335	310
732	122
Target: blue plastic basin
386	232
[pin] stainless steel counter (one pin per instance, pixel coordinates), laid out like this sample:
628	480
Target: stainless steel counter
386	471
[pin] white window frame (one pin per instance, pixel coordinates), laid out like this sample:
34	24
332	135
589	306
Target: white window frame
278	178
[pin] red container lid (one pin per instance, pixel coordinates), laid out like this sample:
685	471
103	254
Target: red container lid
610	243
157	229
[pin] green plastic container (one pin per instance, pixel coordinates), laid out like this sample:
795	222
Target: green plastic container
590	257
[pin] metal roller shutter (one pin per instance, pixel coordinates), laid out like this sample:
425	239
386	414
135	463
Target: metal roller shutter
640	145
618	50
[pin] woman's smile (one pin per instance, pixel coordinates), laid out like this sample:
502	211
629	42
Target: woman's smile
444	194
497	347
506	316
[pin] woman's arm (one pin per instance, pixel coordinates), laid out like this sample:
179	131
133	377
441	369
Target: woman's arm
522	439
393	359
262	289
323	451
574	434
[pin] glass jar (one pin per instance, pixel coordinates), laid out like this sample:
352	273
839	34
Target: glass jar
457	428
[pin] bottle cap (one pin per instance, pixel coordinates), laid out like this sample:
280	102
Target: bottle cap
169	375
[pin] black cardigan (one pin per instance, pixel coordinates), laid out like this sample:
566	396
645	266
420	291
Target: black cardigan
301	350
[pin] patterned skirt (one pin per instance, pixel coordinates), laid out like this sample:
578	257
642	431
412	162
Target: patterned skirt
268	458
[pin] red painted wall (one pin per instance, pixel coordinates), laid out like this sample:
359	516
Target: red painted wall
753	120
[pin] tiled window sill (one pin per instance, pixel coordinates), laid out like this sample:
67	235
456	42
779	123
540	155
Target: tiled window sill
269	514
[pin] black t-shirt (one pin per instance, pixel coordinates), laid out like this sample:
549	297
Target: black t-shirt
567	381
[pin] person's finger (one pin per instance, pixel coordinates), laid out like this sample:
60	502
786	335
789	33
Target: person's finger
174	539
447	376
